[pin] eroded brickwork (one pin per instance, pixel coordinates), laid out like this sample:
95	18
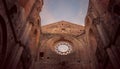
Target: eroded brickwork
58	32
24	45
19	32
102	24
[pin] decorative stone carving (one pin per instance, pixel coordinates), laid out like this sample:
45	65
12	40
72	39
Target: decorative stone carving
63	48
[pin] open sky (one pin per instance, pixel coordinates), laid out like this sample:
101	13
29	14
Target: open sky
68	10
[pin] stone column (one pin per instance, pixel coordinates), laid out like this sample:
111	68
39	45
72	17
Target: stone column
26	33
17	58
103	35
113	57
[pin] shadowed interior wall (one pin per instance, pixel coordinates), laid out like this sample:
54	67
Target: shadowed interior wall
25	44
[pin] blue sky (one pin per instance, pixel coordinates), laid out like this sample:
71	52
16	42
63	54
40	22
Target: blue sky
68	10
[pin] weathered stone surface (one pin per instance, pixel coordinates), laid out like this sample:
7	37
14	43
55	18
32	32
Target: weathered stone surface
24	44
63	27
17	32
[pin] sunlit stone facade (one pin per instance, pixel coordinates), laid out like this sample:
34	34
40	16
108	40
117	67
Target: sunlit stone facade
25	44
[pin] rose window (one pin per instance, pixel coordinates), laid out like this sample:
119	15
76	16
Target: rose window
63	48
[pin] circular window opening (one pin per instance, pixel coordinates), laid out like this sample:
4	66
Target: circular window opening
63	48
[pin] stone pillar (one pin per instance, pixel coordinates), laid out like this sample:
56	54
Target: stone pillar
17	58
113	57
103	35
26	33
13	54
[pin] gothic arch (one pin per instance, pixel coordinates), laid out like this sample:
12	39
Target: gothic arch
116	9
13	10
3	38
88	21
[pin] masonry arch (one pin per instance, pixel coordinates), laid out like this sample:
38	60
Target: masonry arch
3	38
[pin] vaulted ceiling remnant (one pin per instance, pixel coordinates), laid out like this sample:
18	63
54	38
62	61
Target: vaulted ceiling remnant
25	44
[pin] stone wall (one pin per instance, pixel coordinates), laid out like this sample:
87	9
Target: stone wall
19	32
103	20
21	38
81	55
